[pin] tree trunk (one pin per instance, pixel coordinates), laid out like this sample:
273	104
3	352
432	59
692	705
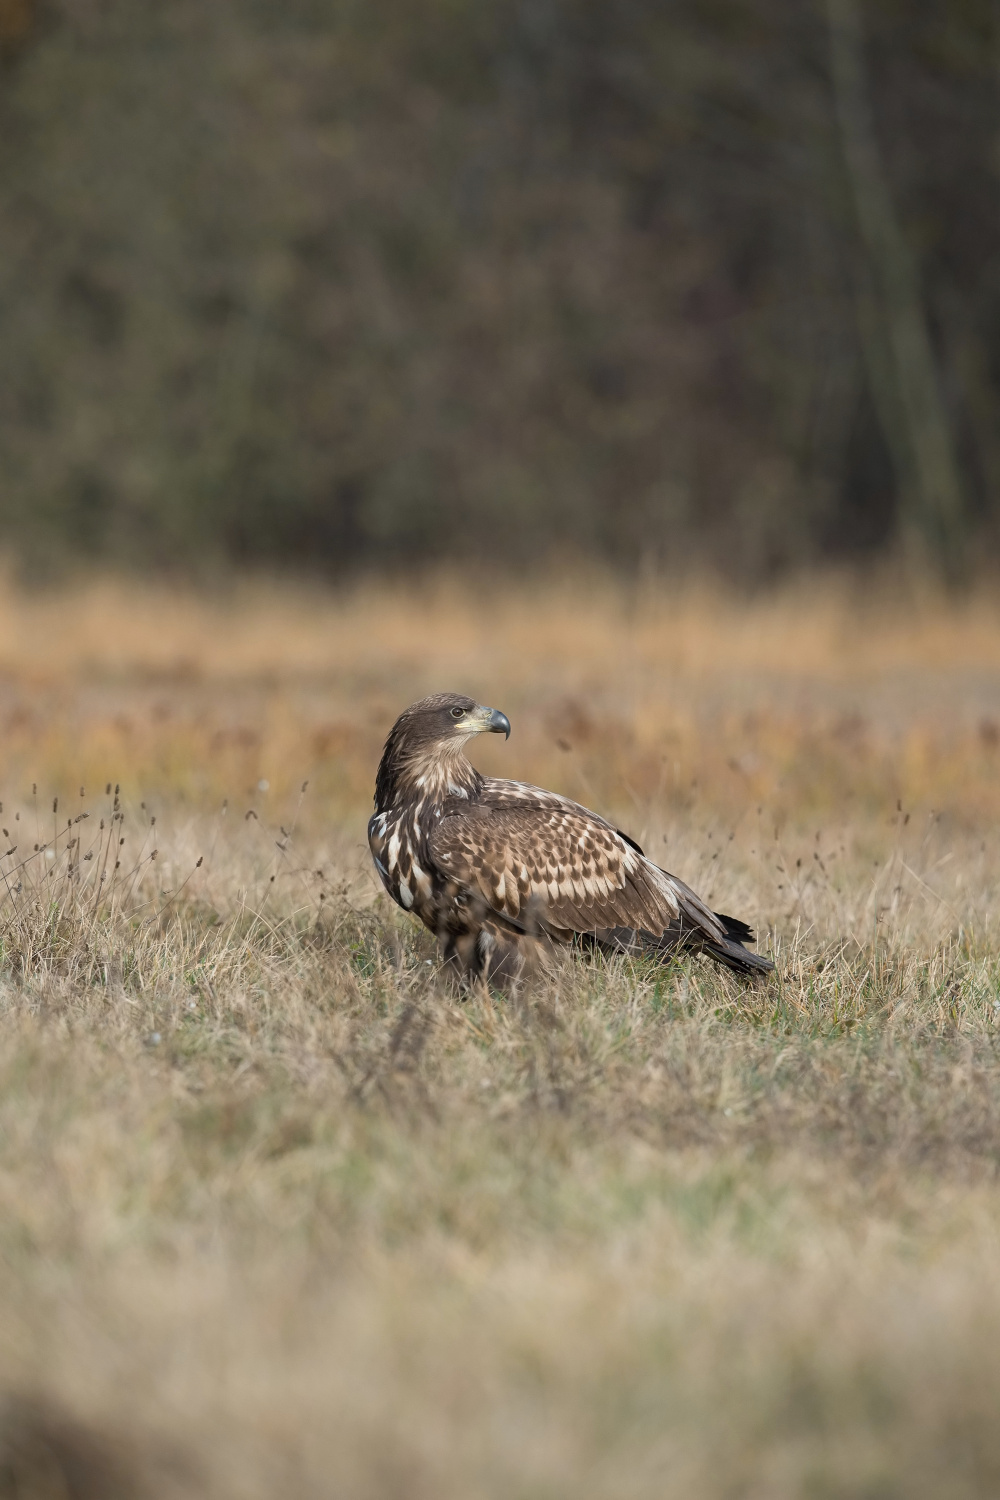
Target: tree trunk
897	349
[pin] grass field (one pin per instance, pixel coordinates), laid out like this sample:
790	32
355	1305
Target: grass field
281	1215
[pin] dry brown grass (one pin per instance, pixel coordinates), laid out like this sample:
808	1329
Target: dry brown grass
807	702
280	1215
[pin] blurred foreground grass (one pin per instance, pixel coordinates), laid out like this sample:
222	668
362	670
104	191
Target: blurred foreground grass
279	1214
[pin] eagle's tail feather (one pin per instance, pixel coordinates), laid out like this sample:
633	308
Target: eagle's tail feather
739	930
678	937
741	960
730	950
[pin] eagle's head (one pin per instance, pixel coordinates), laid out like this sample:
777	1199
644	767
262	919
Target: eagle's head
424	752
447	718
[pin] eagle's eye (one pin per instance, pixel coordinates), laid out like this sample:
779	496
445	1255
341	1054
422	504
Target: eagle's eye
457	713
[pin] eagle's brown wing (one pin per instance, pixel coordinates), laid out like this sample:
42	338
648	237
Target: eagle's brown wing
549	865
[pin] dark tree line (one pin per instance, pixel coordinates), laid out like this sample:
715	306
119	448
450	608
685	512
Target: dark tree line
330	283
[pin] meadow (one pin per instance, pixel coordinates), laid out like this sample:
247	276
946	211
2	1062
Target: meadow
281	1213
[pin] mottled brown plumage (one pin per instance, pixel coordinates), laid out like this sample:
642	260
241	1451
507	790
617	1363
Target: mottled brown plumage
502	872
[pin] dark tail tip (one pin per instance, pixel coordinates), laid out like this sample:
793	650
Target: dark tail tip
735	928
741	960
733	954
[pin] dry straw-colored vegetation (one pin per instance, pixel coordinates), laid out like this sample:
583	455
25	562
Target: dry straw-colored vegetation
281	1214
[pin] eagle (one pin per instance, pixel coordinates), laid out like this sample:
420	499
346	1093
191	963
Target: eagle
504	873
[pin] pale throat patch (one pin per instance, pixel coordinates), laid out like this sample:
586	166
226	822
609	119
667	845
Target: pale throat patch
438	775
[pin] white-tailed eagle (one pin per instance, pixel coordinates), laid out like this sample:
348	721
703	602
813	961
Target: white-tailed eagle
501	871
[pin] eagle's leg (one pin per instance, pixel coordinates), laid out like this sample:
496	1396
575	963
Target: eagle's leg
458	949
501	956
485	952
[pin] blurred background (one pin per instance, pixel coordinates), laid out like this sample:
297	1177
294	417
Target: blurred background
338	286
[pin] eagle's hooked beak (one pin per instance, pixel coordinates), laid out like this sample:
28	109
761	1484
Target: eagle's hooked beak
489	721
